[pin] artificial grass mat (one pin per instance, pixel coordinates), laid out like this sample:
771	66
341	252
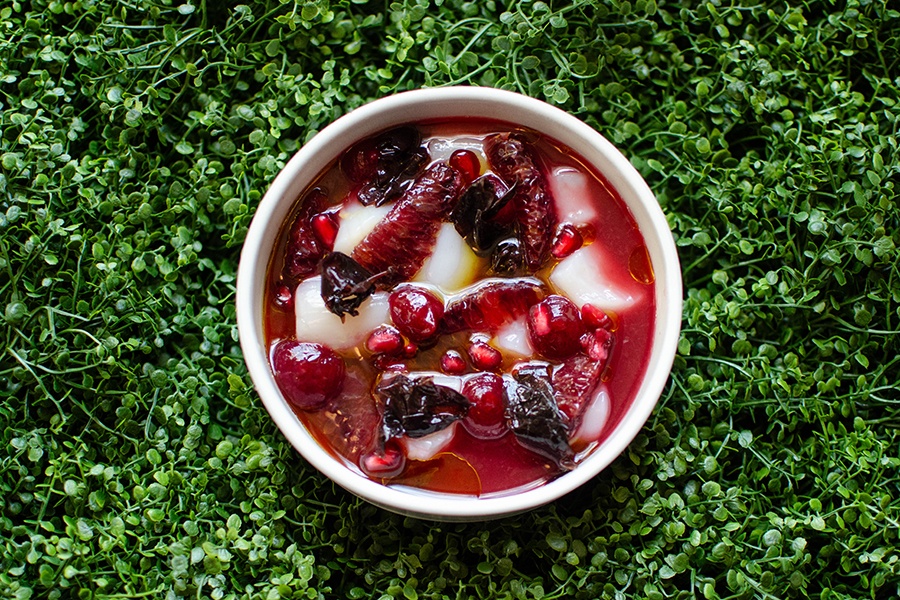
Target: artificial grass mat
137	138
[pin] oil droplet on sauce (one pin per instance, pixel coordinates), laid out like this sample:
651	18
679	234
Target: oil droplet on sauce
640	267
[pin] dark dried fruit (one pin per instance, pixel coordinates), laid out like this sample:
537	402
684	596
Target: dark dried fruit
416	312
345	284
491	305
475	212
308	374
535	419
418	407
555	328
507	258
303	250
400	244
385	165
516	163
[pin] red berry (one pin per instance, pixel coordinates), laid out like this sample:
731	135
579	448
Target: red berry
595	318
467	162
410	349
568	240
284	297
555	327
325	226
384	362
487	397
386	464
385	340
484	357
453	363
597	344
416	312
308	374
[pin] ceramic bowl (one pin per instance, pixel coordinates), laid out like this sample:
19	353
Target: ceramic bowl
462	102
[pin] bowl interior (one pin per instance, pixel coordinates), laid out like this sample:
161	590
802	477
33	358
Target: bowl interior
462	102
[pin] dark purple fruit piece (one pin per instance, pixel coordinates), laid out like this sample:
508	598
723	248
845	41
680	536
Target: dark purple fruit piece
402	241
507	258
473	215
555	327
416	312
309	375
385	165
535	419
491	305
418	407
516	162
303	250
345	284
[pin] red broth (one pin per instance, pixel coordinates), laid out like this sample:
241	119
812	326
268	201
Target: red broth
349	426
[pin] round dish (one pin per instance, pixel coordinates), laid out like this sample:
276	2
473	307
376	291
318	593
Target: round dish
457	102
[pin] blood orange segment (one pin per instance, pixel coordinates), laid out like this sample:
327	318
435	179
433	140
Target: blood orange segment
491	305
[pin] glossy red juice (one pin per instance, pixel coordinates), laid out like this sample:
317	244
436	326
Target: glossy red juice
468	464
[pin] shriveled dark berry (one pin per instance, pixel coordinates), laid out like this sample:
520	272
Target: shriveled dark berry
507	258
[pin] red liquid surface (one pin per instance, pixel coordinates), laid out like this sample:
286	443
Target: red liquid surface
469	465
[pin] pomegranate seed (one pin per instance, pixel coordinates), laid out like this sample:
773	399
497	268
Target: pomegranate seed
484	357
595	318
384	465
384	362
308	374
284	297
597	344
453	363
416	312
325	226
410	349
568	240
467	162
487	397
555	327
385	340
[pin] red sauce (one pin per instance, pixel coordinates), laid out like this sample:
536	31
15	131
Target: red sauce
469	465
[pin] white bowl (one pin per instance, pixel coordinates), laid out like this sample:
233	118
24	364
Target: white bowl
450	102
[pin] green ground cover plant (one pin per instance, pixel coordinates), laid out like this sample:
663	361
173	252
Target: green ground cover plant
136	139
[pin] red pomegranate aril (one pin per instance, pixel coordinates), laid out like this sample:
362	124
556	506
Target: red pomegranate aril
555	327
309	375
325	226
416	312
410	349
385	362
484	357
487	409
568	240
284	297
467	162
453	363
597	344
386	464
595	318
385	340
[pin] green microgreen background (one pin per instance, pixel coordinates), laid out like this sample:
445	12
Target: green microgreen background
136	139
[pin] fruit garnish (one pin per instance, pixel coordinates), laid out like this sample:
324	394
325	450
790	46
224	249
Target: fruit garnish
384	165
405	238
489	305
386	463
284	296
516	163
473	216
534	417
568	240
416	312
308	374
303	250
573	381
507	257
555	327
596	318
484	356
467	162
417	407
385	340
487	410
598	344
345	284
453	363
325	226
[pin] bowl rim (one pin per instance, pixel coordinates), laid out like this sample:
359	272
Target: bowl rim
314	156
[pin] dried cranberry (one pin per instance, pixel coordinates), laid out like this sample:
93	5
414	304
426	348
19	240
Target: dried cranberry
595	318
467	162
487	397
555	327
325	226
416	312
568	240
453	363
485	357
386	464
308	374
385	340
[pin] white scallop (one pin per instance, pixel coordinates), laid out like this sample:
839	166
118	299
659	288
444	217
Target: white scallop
593	418
513	339
452	264
356	222
315	323
571	193
583	277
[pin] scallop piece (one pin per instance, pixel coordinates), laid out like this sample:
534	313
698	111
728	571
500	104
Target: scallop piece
452	265
571	192
593	419
513	339
356	222
315	323
584	278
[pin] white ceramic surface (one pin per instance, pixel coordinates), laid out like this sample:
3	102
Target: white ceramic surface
414	106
